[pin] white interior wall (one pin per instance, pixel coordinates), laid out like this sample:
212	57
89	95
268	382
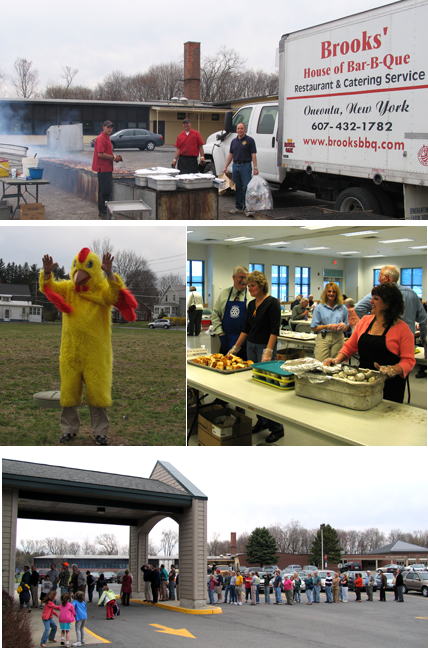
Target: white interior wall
368	265
358	273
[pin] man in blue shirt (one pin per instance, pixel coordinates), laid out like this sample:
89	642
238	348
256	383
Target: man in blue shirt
413	309
243	152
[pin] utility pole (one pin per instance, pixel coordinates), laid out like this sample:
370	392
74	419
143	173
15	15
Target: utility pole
322	545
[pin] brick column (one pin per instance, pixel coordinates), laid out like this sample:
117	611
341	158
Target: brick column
10	513
192	70
193	555
138	555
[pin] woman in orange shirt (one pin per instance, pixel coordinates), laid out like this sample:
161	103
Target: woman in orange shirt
383	341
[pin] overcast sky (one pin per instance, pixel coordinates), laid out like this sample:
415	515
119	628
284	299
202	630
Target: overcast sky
354	488
163	246
100	36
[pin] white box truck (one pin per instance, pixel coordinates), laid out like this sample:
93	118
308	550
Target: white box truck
351	120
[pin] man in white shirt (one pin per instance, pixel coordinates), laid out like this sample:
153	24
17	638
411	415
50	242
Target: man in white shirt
195	306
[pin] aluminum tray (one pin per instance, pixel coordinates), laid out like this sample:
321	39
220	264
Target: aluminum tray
219	371
340	391
162	182
195	181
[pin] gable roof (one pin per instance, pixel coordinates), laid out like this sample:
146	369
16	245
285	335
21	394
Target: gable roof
15	290
398	547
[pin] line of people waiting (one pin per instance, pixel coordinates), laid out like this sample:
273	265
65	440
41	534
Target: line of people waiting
236	588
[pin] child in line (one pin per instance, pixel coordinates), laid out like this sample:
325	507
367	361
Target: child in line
66	617
44	590
81	616
108	598
47	618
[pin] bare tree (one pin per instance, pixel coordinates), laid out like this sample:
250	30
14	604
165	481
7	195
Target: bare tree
107	543
169	541
88	548
103	246
112	88
168	280
26	79
60	92
153	549
60	546
68	75
218	74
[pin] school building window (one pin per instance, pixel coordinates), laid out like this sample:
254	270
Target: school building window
279	288
302	281
260	267
412	277
196	275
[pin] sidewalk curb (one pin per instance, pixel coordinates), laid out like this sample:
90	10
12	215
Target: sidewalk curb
175	608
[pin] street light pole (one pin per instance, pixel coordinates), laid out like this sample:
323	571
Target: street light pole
322	545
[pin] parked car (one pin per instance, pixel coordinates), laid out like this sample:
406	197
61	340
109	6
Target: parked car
351	578
290	569
417	567
416	581
138	138
309	568
392	567
350	566
110	576
389	581
160	323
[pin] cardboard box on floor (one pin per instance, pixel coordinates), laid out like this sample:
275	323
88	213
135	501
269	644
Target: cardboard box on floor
32	211
211	433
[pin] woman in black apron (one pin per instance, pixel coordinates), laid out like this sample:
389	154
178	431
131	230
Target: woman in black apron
383	341
260	332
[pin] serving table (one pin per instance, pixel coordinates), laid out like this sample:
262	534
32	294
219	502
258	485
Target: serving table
19	187
311	422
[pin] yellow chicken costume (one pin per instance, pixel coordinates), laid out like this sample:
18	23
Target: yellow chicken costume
86	300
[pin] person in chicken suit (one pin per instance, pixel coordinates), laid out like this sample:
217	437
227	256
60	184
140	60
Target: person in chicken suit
86	301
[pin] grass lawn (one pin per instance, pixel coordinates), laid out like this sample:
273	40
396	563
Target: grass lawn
148	386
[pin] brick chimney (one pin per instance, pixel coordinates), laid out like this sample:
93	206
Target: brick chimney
192	70
233	546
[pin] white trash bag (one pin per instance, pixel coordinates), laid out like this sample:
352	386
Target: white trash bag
259	195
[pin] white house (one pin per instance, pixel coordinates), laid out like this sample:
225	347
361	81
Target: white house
172	302
16	304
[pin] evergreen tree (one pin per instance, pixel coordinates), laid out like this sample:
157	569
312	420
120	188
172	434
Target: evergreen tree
331	546
261	547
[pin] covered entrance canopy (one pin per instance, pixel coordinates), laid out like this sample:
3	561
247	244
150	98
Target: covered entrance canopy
44	492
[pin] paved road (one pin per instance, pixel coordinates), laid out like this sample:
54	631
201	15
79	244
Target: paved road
292	206
376	624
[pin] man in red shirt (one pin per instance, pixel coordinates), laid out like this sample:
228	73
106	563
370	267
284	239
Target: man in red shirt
102	163
189	146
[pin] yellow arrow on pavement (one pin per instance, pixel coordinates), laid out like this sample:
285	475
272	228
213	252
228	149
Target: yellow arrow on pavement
181	632
425	618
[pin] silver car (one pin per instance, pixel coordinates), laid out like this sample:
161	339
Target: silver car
161	323
416	581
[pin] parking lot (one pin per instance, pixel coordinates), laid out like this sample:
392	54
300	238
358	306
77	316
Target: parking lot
293	205
389	624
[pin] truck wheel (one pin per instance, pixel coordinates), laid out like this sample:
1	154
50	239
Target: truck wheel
424	591
357	199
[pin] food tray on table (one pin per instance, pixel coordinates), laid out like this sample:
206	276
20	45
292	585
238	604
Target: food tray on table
225	365
195	181
295	335
271	374
162	182
141	175
344	391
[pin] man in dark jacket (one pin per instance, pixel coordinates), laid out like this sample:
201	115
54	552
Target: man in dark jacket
34	586
399	584
155	579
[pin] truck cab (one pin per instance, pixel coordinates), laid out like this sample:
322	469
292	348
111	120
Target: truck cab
261	121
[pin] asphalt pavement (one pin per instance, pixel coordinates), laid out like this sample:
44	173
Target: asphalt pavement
380	625
295	205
